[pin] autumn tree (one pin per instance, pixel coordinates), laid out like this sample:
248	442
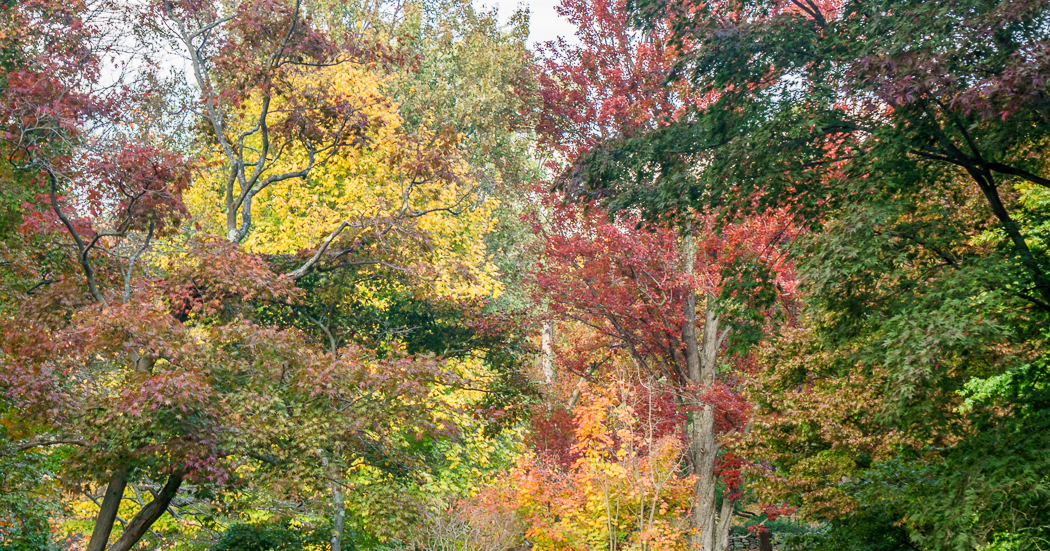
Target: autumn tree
905	133
626	286
614	86
107	196
155	352
412	207
620	487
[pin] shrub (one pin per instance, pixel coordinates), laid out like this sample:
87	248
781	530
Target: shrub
279	536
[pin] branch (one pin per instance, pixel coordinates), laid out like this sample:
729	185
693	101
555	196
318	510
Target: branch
43	282
722	338
134	258
1012	171
310	264
273	179
94	499
203	79
324	327
82	256
249	189
812	10
208	27
49	440
288	36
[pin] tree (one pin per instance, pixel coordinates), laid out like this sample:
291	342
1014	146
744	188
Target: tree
156	353
626	286
262	53
410	225
613	87
623	488
903	133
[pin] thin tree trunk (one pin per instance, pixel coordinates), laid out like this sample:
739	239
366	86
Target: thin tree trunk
107	515
547	352
338	515
335	479
149	514
692	355
725	518
986	182
578	391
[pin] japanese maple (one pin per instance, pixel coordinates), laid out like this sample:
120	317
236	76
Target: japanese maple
629	274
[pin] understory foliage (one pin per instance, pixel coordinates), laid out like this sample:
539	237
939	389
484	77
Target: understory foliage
338	275
623	488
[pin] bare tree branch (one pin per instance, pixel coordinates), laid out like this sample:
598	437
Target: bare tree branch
308	267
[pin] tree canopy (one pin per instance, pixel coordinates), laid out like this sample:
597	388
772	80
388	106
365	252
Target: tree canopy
706	275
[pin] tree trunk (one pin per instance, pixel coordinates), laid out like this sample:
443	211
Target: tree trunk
107	515
547	352
704	446
335	478
986	182
578	391
692	361
692	355
700	364
338	515
725	518
765	541
149	514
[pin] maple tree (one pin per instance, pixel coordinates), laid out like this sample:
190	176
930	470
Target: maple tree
381	275
178	365
643	288
623	487
109	195
627	287
902	133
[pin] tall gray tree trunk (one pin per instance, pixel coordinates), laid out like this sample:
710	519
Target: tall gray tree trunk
725	517
701	363
547	352
704	446
107	514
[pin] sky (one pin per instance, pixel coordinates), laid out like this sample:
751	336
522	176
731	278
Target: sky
544	21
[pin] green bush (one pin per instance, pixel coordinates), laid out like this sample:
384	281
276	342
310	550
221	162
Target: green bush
279	536
787	526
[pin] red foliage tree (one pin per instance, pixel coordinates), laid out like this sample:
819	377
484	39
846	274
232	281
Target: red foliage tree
627	285
613	82
637	284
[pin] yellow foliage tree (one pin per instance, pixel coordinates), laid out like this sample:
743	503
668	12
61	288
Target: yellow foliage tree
398	200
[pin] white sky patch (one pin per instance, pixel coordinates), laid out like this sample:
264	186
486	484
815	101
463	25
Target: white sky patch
544	22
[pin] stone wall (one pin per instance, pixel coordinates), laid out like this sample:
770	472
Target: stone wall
750	542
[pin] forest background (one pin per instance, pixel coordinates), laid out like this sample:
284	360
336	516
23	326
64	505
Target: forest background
314	274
